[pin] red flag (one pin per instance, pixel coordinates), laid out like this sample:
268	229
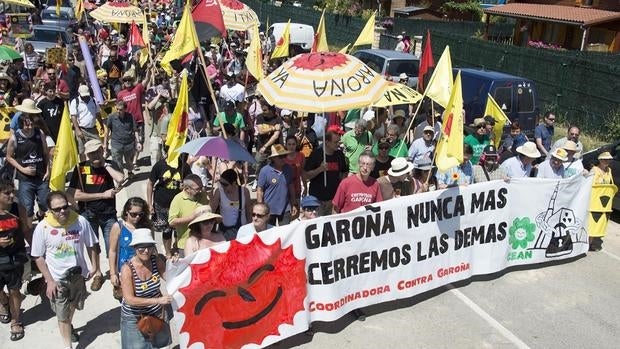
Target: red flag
208	19
427	61
136	42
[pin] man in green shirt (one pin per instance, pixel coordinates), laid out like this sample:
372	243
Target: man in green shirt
183	208
397	148
230	116
478	140
355	142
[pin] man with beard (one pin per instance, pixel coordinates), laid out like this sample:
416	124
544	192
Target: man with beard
488	168
52	108
553	167
357	141
572	135
93	187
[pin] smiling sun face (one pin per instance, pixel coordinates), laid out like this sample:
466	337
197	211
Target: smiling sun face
243	295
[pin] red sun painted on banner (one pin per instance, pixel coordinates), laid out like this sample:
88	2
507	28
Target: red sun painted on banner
232	4
242	296
320	60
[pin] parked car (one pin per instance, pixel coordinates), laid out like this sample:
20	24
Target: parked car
302	36
66	18
517	96
46	36
590	159
391	64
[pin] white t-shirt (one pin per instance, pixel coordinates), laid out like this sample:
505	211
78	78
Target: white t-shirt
63	247
235	93
248	230
86	112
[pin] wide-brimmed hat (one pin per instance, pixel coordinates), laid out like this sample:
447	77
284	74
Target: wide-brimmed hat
570	146
529	149
142	236
5	76
478	122
28	106
400	166
310	201
423	165
83	91
428	128
92	146
398	114
278	150
205	216
403	76
605	156
560	154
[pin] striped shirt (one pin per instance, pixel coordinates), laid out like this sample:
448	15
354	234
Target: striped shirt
144	289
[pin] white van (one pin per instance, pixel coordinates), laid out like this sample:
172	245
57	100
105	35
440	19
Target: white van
302	36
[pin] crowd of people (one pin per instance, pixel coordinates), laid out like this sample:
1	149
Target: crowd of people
307	166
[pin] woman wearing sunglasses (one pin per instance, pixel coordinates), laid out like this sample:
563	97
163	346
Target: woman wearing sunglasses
202	231
141	281
135	215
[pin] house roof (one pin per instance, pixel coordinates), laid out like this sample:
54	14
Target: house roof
555	13
409	9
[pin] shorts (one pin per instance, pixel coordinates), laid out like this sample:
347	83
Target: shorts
71	292
160	222
89	134
12	279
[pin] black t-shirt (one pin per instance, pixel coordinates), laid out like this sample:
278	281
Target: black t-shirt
9	227
114	70
263	123
336	165
94	180
167	182
381	168
51	111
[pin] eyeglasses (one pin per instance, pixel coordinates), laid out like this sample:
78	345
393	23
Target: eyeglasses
575	134
135	214
61	208
51	73
143	248
196	189
311	208
254	214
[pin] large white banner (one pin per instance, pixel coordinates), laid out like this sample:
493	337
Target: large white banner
258	291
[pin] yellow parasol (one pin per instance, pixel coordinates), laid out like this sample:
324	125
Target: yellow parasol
395	94
24	3
237	15
118	12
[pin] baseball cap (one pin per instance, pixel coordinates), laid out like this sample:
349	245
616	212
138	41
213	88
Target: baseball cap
83	91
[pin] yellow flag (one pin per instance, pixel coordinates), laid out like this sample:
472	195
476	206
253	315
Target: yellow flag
185	40
177	128
145	52
65	154
367	36
58	7
320	37
79	9
440	85
344	49
5	121
500	119
254	61
281	49
450	146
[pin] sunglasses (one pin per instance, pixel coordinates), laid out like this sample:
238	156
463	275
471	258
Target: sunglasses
311	208
135	214
143	248
254	214
481	126
61	208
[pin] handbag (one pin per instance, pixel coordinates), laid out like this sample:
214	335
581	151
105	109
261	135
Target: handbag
150	325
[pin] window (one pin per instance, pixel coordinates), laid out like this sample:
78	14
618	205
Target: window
525	99
503	97
47	36
409	67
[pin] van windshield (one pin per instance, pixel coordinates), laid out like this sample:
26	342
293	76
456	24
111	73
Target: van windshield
46	36
396	67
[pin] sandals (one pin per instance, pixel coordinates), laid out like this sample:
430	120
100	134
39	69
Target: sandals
6	317
98	281
19	334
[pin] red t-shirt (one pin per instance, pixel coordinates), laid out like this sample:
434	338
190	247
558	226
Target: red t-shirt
133	99
353	193
297	165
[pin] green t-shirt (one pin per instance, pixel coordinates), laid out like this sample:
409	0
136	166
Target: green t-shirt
236	120
354	147
182	206
478	146
396	151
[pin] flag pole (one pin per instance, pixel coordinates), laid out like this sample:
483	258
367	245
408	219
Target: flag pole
203	62
324	156
412	120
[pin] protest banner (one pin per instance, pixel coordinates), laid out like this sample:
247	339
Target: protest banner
19	25
257	291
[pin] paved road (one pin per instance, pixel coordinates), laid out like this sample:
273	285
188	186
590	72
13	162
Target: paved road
569	305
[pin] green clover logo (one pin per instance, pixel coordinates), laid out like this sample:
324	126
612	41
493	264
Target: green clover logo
521	233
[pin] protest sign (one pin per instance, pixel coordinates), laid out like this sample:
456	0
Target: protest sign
56	55
260	290
19	25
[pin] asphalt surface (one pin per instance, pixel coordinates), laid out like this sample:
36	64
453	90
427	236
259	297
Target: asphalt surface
568	305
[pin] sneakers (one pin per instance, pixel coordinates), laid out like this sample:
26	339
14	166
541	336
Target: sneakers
254	185
75	337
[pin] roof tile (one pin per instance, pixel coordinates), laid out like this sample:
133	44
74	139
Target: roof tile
576	15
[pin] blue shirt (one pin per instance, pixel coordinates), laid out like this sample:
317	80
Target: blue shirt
458	175
545	133
125	252
515	168
419	150
274	184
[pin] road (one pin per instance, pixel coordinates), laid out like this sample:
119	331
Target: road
572	304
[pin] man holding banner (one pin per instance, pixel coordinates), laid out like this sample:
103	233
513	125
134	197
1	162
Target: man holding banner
359	189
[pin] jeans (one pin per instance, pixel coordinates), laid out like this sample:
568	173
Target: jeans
104	222
132	338
28	189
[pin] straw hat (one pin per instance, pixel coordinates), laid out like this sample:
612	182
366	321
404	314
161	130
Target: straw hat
400	166
205	216
278	150
142	236
403	76
92	146
28	106
560	154
529	149
478	122
570	146
605	156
